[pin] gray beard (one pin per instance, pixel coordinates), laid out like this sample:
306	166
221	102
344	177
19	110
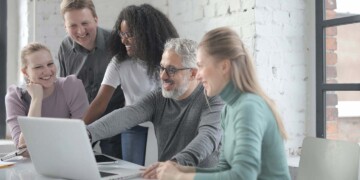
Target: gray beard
177	92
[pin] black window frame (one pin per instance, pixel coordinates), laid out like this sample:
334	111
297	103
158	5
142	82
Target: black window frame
321	86
3	50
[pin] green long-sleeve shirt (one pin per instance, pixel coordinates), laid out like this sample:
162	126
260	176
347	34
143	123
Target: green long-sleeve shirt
252	145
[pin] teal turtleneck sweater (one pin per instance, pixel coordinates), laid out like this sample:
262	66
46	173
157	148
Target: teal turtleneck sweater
252	147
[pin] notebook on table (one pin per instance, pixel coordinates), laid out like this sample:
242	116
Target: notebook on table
60	148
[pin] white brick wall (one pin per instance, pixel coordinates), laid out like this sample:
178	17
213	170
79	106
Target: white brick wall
282	63
275	32
109	10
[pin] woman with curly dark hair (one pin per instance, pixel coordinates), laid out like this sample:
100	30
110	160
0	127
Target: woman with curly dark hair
136	44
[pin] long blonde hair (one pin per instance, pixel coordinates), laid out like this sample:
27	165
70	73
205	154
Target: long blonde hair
223	43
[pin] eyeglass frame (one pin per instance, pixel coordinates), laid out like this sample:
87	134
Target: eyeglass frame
173	70
127	35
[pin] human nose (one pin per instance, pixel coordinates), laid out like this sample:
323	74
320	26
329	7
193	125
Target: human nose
163	74
124	40
80	29
47	70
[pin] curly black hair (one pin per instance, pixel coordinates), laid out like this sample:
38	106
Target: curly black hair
150	27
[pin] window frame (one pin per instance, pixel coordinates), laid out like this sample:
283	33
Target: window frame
3	50
321	85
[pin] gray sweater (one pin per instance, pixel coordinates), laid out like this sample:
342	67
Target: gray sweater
187	130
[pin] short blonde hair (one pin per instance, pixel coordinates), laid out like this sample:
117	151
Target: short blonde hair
223	43
29	49
68	5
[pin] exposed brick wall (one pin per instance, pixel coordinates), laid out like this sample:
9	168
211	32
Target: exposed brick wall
331	73
341	56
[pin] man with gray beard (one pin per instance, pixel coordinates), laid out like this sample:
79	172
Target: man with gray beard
186	122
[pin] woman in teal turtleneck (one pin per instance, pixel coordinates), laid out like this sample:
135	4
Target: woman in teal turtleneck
252	144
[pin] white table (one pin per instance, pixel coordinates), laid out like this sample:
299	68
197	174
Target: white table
24	170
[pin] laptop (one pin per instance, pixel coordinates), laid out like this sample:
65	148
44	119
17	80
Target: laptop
60	148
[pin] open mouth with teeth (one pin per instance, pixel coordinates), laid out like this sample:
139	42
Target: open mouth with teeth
128	48
83	35
167	84
45	78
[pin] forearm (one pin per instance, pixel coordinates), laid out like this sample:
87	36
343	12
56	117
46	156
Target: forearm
35	107
117	121
13	124
14	108
200	148
99	104
94	112
107	126
15	134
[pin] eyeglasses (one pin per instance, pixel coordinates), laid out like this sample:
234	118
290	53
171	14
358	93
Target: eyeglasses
126	35
170	71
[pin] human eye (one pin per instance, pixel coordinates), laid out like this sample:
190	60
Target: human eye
72	26
50	64
37	67
122	35
129	35
172	70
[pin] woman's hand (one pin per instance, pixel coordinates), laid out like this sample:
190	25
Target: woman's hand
22	145
150	172
168	170
36	91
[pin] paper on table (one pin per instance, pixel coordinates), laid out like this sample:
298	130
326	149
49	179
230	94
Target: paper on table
6	164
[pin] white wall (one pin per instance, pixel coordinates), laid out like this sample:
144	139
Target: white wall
193	19
279	34
109	10
283	60
12	41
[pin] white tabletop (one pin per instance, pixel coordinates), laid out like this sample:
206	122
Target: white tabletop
24	170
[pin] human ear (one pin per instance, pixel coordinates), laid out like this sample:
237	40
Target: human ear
225	65
23	70
25	74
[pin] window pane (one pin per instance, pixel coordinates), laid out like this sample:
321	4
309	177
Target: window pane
343	115
341	8
342	54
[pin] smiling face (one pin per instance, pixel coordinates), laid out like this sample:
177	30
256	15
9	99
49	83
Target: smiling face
127	38
175	86
40	68
212	74
81	26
